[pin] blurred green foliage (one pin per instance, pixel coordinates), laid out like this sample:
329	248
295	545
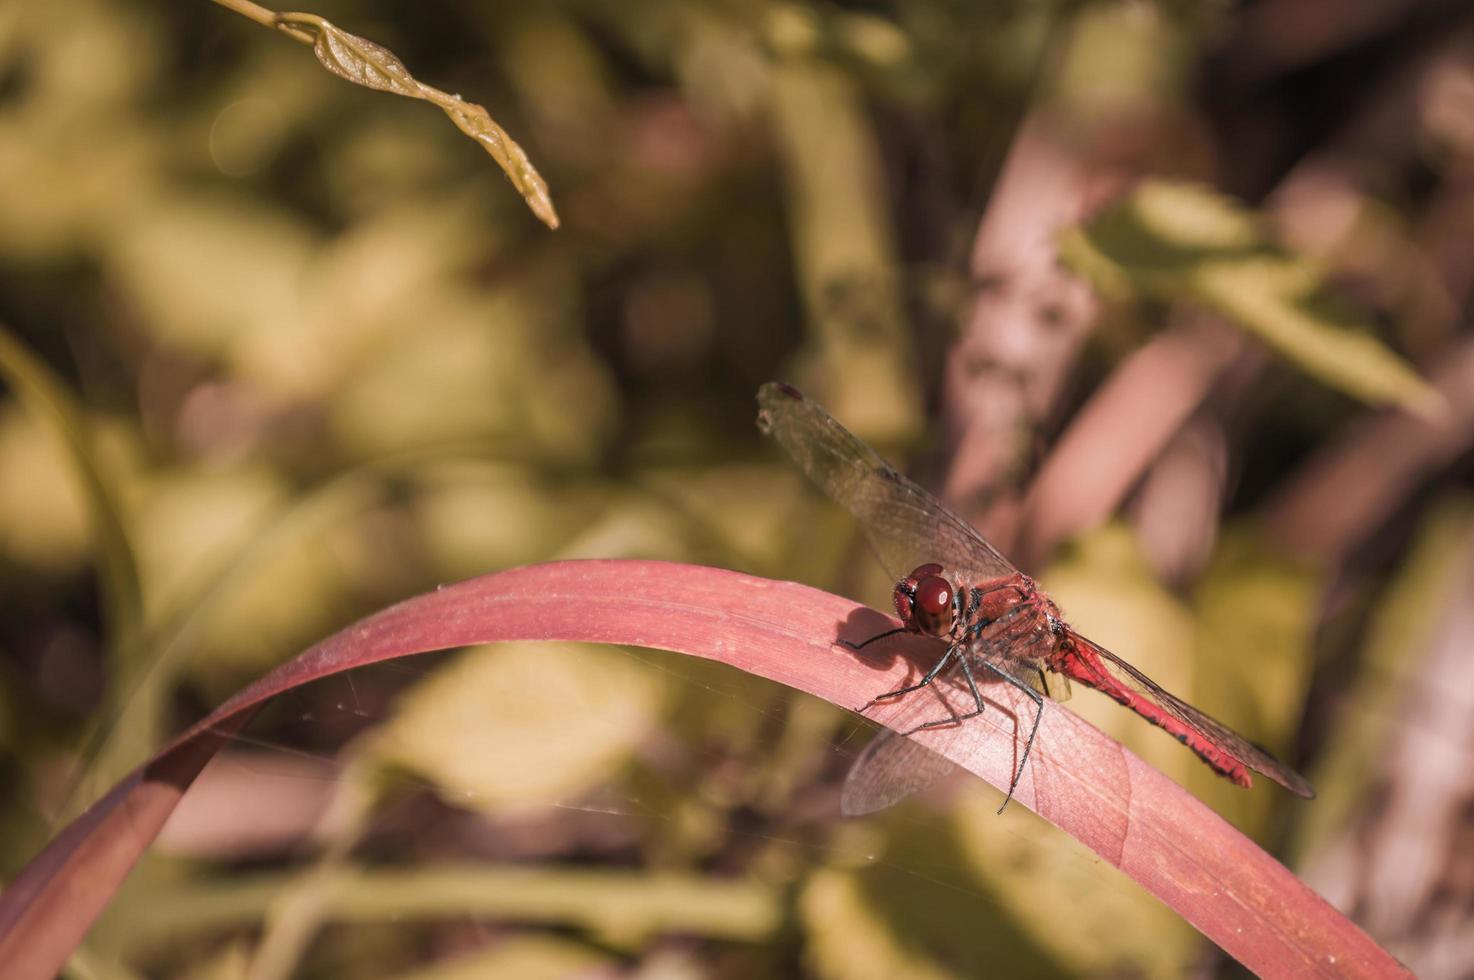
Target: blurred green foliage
1174	241
278	351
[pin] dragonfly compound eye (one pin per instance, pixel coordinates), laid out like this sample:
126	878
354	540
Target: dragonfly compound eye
934	596
932	610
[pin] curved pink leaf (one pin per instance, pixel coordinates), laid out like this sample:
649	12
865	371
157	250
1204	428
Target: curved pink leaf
1079	779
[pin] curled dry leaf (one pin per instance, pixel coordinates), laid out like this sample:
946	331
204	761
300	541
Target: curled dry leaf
363	62
476	122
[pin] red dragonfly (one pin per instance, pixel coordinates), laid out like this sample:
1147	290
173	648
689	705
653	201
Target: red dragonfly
955	586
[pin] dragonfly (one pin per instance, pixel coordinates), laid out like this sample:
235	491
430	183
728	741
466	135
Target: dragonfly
954	586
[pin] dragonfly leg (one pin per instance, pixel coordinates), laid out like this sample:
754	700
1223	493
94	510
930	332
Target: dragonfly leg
977	700
1038	700
931	675
878	636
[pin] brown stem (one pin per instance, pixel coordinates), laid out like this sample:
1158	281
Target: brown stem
265	17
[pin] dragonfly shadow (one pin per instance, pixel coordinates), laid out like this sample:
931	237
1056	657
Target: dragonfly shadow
875	641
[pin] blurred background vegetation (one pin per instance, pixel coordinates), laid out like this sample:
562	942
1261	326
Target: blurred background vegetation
1149	290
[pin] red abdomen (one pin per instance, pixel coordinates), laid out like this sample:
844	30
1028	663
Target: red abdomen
1080	663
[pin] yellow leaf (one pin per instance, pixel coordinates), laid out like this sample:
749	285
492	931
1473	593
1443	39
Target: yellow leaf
850	939
523	725
520	958
1183	242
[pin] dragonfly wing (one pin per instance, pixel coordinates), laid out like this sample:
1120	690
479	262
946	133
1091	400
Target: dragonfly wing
891	768
1210	729
1054	686
906	525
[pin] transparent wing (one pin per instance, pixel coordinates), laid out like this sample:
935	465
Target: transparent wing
906	526
1056	687
891	768
1210	729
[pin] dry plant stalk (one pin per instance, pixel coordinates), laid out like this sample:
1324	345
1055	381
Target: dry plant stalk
374	66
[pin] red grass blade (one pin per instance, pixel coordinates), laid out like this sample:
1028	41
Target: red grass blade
1079	779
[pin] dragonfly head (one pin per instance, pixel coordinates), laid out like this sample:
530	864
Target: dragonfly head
926	601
